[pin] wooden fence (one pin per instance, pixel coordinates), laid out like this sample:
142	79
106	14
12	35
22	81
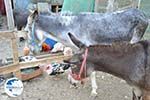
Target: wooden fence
16	66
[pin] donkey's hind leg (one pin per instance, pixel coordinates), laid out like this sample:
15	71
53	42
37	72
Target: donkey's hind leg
93	83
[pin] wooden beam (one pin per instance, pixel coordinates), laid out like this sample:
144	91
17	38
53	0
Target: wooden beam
135	3
47	60
43	7
17	66
57	8
45	55
29	76
9	68
18	74
97	5
139	4
7	34
15	51
9	12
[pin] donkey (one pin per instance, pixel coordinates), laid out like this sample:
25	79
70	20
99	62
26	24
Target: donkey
130	62
91	28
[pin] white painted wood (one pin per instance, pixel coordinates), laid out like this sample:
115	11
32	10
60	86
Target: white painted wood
9	12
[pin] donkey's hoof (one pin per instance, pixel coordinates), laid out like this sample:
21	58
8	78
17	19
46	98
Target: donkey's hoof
93	93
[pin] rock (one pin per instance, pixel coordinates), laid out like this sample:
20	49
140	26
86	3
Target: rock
122	81
103	77
126	97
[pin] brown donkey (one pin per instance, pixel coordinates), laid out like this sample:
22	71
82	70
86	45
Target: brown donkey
130	62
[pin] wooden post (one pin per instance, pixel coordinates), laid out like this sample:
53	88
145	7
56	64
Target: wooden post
57	8
15	56
9	12
15	51
97	5
18	74
135	3
110	6
43	7
139	3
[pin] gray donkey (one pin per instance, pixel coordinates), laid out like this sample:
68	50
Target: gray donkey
91	28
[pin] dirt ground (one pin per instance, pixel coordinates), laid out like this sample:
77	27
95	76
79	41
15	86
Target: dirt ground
48	88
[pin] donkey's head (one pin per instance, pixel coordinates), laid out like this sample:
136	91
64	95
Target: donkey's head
74	71
77	73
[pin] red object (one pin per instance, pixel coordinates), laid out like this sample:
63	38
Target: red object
2	7
83	66
45	47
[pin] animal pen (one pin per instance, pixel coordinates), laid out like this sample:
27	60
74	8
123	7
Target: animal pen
15	67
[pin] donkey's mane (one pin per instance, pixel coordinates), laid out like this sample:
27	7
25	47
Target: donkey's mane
113	45
118	46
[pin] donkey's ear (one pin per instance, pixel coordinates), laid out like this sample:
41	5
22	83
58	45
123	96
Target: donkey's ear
34	13
77	42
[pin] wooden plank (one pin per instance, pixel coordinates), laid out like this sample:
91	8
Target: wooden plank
97	5
135	3
48	60
43	7
9	68
139	4
9	12
129	6
17	66
18	74
44	55
29	76
7	34
13	34
15	51
57	8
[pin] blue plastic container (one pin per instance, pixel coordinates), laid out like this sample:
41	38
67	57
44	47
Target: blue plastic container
50	42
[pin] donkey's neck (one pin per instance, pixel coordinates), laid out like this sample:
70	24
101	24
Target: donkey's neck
58	26
116	60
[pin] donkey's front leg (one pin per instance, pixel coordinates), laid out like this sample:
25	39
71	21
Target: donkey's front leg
136	93
93	83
